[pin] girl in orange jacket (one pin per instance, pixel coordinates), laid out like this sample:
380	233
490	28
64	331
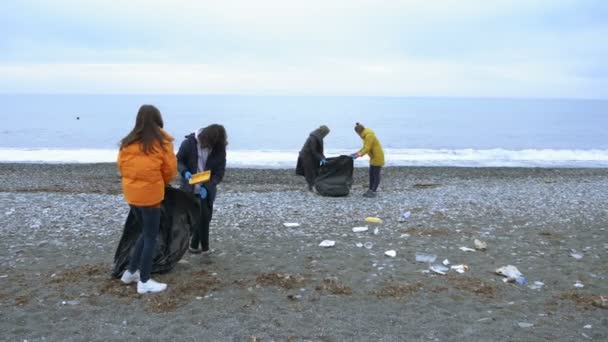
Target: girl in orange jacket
147	163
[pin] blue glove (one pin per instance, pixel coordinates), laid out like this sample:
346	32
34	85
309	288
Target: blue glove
355	155
187	175
323	162
203	192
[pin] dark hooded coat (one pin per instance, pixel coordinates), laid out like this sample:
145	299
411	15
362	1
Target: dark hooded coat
310	156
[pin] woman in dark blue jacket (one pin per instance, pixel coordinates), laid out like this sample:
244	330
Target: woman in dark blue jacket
205	150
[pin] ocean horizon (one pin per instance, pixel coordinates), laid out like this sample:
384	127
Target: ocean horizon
268	131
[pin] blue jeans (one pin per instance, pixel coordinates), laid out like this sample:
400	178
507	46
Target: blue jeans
143	253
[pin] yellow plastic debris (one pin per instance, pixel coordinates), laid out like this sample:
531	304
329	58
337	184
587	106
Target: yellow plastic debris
200	177
373	219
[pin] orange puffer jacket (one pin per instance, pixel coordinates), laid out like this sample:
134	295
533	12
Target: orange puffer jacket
144	176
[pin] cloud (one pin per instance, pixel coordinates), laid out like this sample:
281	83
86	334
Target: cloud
529	48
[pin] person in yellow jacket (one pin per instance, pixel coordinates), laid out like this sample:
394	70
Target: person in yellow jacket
372	147
147	164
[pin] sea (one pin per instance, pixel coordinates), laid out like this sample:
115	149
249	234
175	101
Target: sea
268	131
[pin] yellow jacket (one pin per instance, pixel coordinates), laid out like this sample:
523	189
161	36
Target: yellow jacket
144	176
372	146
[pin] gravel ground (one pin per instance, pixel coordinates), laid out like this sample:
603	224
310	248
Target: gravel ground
60	224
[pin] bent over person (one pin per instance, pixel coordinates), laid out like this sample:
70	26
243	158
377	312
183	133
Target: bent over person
311	156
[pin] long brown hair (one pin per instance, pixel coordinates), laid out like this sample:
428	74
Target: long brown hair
214	137
147	130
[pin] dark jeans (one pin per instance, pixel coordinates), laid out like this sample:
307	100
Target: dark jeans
200	235
374	177
141	259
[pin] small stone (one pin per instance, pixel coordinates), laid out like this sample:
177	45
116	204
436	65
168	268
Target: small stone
588	326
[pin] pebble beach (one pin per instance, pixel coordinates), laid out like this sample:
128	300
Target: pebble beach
268	281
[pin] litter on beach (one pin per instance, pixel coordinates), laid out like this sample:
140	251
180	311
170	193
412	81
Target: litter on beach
368	245
460	268
359	229
537	285
480	245
327	243
466	249
439	269
511	274
376	231
359	244
446	262
576	255
579	285
404	216
373	219
291	224
425	257
390	253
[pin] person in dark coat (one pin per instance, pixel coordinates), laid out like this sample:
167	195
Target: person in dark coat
205	150
311	156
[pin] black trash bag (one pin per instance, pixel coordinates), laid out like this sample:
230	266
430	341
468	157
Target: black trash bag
335	177
179	214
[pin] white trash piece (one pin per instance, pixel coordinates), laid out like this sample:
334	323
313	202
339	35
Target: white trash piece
446	262
359	244
291	224
439	269
376	231
359	229
460	268
327	243
511	274
390	253
466	249
578	285
480	245
368	245
537	285
404	216
425	257
576	255
525	325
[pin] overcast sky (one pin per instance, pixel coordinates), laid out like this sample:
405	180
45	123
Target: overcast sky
473	48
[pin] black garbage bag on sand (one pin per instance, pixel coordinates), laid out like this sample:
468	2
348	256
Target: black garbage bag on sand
335	177
179	213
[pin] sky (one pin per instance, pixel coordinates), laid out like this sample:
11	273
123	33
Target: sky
456	48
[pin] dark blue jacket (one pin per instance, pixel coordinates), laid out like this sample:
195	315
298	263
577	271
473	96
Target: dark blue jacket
187	160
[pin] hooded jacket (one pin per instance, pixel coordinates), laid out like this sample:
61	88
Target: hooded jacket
313	147
187	160
144	176
372	146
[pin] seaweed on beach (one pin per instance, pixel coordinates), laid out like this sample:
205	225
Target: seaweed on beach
473	285
283	280
398	290
584	301
334	286
183	289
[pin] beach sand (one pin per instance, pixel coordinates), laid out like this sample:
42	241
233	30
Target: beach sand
60	225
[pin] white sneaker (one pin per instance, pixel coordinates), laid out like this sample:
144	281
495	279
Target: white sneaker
128	277
150	286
